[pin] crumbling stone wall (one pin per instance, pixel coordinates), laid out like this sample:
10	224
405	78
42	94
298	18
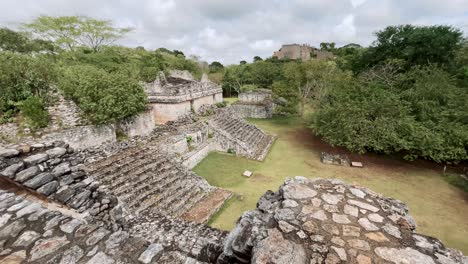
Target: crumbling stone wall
179	95
255	104
328	221
57	171
141	125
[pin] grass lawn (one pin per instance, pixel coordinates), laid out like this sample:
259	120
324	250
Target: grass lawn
230	100
440	209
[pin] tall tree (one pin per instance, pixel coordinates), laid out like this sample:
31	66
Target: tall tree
72	31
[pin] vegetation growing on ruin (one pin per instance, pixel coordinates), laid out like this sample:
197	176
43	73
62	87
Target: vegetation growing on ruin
76	55
407	93
297	152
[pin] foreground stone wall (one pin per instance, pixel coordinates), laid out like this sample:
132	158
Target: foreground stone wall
57	172
32	233
328	221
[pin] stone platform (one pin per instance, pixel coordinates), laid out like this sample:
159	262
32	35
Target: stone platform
328	221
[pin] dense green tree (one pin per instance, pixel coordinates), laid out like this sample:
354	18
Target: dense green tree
242	62
102	96
20	42
415	45
257	58
215	66
421	113
23	76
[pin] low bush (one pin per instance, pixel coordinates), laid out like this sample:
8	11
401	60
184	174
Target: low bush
34	112
103	97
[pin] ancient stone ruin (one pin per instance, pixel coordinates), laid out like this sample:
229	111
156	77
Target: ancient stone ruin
328	221
137	200
304	52
255	104
179	95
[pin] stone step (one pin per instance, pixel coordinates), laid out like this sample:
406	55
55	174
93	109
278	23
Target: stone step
109	161
134	175
124	161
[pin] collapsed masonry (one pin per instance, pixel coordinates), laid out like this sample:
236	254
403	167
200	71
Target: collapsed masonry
255	104
304	52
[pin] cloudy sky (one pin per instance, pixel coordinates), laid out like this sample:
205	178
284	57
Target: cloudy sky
234	30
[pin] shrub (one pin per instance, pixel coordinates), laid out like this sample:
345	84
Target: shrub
34	112
103	97
221	104
22	76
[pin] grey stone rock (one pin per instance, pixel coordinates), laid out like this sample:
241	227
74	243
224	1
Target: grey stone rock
64	194
36	159
18	206
26	239
286	227
100	258
54	222
4	219
8	153
45	247
116	239
276	249
364	222
153	250
27	174
72	256
53	162
363	205
93	251
95	237
359	244
357	192
351	231
79	199
403	255
28	210
298	191
48	188
340	252
39	180
289	203
375	218
70	226
340	219
61	169
11	170
392	230
13	229
332	199
351	210
56	152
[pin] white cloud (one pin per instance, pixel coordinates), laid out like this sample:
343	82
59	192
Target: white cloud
346	30
356	3
263	45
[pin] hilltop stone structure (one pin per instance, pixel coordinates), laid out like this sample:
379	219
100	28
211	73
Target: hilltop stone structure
179	95
304	52
255	104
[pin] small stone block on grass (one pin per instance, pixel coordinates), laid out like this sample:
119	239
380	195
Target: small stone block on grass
247	173
357	164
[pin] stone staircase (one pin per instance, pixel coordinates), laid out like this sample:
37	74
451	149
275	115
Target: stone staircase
247	139
147	179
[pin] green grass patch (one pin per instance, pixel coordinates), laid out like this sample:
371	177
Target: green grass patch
457	180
